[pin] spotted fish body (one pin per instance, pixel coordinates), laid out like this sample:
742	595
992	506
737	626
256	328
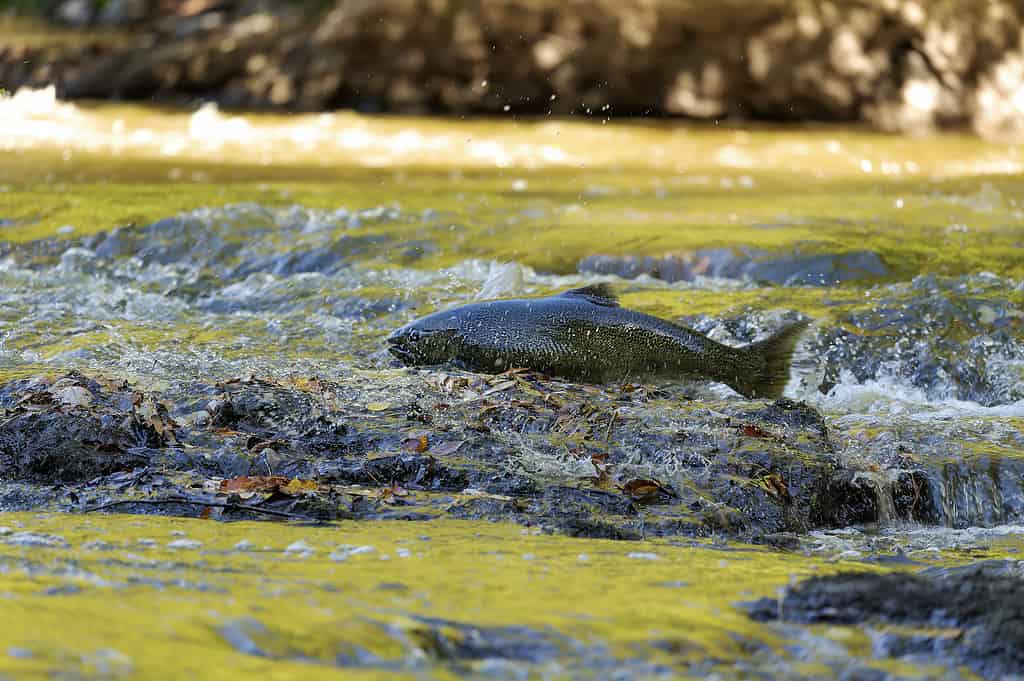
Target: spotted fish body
584	335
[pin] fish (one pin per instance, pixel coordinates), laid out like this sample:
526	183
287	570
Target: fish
584	335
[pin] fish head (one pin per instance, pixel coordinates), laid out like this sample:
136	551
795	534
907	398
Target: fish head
435	339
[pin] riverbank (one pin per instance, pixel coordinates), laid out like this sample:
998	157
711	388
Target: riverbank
896	66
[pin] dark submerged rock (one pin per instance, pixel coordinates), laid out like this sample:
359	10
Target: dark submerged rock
985	601
826	269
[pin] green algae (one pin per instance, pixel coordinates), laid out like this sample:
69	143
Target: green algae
949	206
294	603
554	238
89	597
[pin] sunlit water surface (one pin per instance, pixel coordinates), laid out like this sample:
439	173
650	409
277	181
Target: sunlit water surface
290	246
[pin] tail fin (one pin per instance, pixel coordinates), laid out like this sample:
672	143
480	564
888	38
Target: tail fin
777	353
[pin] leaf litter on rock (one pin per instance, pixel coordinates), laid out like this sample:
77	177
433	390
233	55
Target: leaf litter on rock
647	491
416	444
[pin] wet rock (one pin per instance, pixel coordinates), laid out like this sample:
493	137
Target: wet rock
457	641
587	513
846	499
785	270
984	601
948	337
412	472
791	414
667	268
818	270
325	260
76	429
280	418
567	458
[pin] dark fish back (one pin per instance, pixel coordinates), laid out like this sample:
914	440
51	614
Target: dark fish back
583	335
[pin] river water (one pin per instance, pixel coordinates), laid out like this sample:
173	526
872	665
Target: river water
181	251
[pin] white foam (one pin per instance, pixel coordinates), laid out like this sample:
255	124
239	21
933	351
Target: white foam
891	396
36	118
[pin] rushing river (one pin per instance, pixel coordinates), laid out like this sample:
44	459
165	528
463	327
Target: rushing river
210	259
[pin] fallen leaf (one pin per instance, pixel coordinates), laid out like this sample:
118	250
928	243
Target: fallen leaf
750	430
602	480
391	494
775	486
416	444
313	384
377	406
247	487
256	483
452	383
155	415
647	491
297	487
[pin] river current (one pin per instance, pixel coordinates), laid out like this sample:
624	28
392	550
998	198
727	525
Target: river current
183	250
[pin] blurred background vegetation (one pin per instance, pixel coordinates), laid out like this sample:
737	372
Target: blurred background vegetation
896	65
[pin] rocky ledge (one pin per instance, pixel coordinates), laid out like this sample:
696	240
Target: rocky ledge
625	462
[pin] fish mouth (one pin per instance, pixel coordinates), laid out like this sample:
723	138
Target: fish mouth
397	347
402	354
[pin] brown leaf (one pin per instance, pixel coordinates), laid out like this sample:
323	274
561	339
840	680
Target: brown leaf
247	486
775	486
155	415
416	444
297	487
602	480
392	493
256	483
450	384
751	430
647	491
312	384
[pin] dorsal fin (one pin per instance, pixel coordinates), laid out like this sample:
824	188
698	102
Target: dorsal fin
599	294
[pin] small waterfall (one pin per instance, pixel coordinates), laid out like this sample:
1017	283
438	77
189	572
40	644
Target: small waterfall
882	483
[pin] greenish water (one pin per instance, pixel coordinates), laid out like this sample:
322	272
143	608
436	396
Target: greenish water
141	597
301	242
